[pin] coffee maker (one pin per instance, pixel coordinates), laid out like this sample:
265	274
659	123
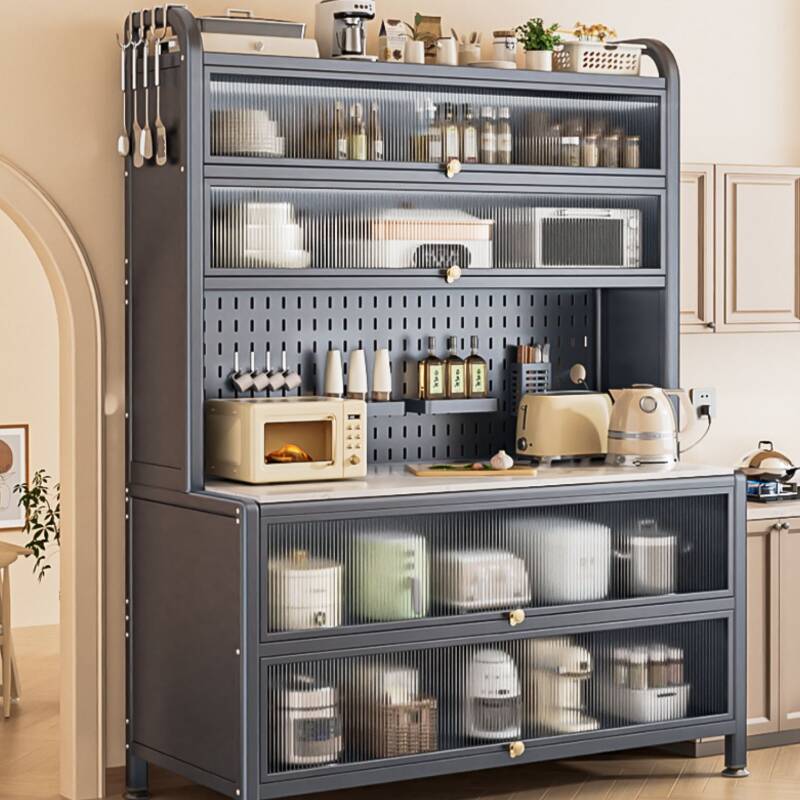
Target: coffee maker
340	28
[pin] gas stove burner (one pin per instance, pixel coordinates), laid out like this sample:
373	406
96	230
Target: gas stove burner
765	491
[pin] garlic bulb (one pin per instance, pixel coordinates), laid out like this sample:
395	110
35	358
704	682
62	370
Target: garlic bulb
501	460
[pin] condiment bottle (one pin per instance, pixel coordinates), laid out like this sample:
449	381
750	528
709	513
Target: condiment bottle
570	151
505	142
637	673
477	377
455	372
340	133
609	151
631	152
434	136
431	377
375	134
358	133
488	136
469	138
590	150
451	136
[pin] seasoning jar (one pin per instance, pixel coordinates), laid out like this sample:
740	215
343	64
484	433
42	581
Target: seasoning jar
621	666
570	151
504	47
552	146
488	136
657	676
675	666
609	151
590	150
505	143
632	152
637	671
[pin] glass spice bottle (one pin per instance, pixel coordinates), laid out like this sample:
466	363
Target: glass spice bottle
505	142
435	148
469	137
375	134
430	374
340	133
488	136
570	151
590	150
358	133
631	152
451	136
477	377
609	151
455	372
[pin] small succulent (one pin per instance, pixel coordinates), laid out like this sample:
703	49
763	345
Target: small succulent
533	35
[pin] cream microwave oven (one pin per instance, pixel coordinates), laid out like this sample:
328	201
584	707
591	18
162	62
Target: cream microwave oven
283	440
596	238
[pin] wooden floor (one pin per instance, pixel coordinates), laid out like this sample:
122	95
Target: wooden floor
29	761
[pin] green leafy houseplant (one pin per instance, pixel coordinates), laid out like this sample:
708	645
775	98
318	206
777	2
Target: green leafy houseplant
41	500
533	35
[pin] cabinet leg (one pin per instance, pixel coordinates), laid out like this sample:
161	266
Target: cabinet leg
136	781
736	756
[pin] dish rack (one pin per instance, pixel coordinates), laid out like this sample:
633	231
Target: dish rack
600	58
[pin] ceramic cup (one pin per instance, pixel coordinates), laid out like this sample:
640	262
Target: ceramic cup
414	52
357	375
539	59
469	53
447	51
382	376
334	384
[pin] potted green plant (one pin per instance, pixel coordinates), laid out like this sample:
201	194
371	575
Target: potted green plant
539	42
41	500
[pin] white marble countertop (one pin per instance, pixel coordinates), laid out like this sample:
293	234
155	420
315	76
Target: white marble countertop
782	509
393	480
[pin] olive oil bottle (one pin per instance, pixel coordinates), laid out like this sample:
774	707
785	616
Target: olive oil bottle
431	371
477	373
455	372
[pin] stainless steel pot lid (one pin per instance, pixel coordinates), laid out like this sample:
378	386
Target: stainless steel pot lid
767	462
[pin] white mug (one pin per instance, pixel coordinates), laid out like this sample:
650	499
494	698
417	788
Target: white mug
447	51
469	53
414	52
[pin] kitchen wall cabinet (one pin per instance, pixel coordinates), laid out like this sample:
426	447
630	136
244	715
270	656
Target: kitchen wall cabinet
740	248
697	248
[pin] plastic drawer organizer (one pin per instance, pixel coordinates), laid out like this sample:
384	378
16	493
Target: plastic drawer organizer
279	648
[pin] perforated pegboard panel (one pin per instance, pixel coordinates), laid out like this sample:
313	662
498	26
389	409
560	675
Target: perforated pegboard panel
306	325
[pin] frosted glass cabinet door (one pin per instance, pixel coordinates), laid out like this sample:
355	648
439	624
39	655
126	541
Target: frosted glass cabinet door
321	577
409	702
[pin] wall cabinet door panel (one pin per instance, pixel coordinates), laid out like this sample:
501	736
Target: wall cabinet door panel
757	248
790	625
697	248
762	624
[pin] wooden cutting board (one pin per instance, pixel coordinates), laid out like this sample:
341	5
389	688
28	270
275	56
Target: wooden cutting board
429	471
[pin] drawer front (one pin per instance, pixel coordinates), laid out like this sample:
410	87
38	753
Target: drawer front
334	713
323	577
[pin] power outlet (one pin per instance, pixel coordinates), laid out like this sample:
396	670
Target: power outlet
704	402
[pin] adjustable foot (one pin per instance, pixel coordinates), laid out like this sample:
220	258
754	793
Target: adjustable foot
137	785
735	772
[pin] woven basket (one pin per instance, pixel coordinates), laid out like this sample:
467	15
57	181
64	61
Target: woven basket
407	728
599	58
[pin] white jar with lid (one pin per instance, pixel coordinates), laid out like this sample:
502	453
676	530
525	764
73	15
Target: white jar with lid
504	47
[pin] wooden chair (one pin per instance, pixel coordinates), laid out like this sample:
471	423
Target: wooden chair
11	687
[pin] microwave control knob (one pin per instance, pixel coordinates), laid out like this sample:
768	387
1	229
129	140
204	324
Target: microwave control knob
516	749
522	444
516	617
355	460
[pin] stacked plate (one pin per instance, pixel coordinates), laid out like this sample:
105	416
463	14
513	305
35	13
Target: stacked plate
272	237
246	132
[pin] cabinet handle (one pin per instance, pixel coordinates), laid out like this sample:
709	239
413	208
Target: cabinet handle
516	617
712	326
452	273
452	167
785	526
516	749
776	526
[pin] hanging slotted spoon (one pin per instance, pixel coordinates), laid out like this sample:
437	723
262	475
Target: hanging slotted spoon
124	139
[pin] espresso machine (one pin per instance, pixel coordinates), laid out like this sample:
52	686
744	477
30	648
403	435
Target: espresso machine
340	28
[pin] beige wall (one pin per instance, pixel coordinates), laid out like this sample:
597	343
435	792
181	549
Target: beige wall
59	68
29	394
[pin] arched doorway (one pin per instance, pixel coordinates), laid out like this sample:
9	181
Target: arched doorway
80	330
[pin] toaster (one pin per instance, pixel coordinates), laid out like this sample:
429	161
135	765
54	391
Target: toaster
391	576
304	592
557	425
468	580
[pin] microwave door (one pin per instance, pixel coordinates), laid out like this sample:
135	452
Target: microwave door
300	439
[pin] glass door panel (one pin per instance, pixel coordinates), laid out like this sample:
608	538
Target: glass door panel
400	569
415	230
319	713
275	118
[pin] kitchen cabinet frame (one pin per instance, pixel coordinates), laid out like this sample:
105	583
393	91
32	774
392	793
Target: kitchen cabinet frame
193	578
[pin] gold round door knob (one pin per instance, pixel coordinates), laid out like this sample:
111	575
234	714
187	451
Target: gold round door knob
354	459
516	749
452	167
516	617
453	273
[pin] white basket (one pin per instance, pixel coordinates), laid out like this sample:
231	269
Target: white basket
598	57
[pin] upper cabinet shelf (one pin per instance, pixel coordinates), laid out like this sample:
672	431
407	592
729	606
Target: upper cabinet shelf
264	117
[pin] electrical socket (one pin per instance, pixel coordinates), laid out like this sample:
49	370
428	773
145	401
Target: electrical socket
704	402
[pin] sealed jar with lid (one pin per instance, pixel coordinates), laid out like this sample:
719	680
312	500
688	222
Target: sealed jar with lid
590	150
632	152
505	46
609	151
570	151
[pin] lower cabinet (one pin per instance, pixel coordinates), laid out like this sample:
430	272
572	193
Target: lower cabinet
773	626
325	713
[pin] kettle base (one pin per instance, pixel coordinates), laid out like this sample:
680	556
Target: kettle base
619	460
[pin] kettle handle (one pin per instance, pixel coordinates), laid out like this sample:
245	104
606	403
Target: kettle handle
687	409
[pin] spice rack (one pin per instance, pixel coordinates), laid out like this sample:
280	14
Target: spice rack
220	687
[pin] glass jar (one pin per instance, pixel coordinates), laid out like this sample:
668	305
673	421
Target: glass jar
504	47
488	136
609	151
570	151
632	152
637	671
590	150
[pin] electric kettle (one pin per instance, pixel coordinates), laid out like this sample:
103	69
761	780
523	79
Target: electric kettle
643	428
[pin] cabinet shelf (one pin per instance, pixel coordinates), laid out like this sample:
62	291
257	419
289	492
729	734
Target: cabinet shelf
483	405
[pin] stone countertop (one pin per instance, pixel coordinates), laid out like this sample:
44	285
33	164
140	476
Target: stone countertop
781	509
395	480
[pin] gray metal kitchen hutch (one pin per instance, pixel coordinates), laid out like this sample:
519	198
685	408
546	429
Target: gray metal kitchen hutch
218	689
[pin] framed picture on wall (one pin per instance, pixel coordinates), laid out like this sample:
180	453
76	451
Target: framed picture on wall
13	470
